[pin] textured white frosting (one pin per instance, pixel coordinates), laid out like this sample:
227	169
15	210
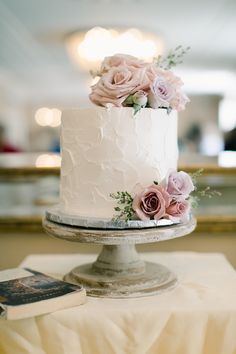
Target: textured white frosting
110	150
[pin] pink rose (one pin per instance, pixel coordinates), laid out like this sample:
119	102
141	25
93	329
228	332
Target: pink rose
171	78
121	60
117	84
179	101
153	71
165	89
179	185
161	93
151	203
178	209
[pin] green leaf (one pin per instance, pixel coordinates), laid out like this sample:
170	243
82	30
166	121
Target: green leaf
137	108
124	209
173	58
194	176
129	100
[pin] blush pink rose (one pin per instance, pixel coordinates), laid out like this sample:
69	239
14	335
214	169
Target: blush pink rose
152	71
165	89
117	84
179	185
179	101
151	203
178	209
171	78
161	93
121	60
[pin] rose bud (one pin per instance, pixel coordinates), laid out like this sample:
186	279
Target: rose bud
140	98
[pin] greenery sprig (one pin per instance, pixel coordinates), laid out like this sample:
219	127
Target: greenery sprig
173	58
206	192
195	175
124	209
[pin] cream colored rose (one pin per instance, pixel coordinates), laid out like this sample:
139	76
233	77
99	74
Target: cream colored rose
117	84
140	98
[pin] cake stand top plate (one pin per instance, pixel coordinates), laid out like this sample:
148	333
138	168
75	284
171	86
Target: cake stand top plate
117	236
56	215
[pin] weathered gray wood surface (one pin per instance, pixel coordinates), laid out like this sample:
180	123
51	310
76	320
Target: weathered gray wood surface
118	271
117	237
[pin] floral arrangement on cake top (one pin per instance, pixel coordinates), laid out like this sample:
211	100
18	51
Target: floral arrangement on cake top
130	82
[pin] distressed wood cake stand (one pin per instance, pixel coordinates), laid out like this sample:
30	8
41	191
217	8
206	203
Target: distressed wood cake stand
118	271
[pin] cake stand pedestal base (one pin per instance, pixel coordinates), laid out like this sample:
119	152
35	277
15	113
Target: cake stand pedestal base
118	272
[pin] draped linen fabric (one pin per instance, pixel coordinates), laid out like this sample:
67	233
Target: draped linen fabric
196	317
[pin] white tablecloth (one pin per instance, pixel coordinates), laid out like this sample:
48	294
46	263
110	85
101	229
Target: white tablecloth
197	317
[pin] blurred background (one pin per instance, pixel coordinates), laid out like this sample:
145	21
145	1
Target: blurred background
47	50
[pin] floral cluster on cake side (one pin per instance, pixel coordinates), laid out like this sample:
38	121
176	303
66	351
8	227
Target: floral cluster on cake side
169	199
126	81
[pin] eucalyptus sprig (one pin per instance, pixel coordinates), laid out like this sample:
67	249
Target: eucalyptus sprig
173	58
125	209
199	194
194	176
209	193
206	192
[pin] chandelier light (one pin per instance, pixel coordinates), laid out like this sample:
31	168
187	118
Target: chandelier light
89	49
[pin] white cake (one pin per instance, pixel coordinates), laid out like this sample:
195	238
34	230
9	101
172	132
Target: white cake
109	150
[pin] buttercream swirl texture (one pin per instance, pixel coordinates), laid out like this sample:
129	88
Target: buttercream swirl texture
108	150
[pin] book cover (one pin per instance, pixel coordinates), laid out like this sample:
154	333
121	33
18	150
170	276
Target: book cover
26	293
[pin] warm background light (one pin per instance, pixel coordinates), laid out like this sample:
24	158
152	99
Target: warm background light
48	160
48	117
227	114
227	158
56	113
89	49
44	116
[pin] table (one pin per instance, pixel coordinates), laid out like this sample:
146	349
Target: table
197	317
